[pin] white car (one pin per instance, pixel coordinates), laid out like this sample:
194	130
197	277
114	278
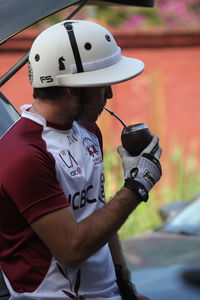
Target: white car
165	262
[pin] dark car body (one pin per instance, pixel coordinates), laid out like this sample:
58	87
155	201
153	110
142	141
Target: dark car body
165	263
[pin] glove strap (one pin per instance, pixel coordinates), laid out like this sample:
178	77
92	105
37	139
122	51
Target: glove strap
138	188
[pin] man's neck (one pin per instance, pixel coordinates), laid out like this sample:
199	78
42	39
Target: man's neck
53	112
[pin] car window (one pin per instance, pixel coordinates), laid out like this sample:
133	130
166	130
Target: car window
8	114
188	220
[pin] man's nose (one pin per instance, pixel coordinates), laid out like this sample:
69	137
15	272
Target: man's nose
108	92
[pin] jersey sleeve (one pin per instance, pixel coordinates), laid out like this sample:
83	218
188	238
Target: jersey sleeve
30	183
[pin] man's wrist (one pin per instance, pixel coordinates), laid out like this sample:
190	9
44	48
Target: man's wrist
137	188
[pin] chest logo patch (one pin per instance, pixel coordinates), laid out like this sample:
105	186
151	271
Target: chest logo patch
92	150
70	162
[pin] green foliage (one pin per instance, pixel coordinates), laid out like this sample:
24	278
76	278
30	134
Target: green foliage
117	16
184	186
145	217
166	13
112	17
186	176
113	173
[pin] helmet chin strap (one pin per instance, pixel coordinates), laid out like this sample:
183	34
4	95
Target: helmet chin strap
80	113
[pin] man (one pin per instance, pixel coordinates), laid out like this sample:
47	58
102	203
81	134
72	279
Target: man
58	236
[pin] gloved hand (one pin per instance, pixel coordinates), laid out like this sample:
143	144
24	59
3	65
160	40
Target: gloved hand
143	171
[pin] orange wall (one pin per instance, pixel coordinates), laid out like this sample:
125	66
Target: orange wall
165	96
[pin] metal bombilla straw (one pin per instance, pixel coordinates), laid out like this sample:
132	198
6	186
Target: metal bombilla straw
113	114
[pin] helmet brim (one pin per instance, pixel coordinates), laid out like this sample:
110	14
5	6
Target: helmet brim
124	70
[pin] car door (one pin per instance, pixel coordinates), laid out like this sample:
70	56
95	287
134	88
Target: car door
8	114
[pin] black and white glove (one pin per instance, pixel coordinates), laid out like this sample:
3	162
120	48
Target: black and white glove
143	171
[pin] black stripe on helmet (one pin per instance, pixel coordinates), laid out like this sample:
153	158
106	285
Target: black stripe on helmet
72	38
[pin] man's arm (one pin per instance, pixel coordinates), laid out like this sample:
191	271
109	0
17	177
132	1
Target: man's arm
71	242
119	259
118	256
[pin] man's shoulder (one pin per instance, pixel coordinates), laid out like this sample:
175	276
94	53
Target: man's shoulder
22	141
21	127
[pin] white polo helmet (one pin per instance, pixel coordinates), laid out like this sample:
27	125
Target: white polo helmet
78	53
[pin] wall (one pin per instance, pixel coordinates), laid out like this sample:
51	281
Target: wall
165	96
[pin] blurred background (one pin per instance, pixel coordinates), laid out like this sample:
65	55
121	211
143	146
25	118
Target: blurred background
165	96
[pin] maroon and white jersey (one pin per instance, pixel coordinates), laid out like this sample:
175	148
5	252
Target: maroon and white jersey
45	168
